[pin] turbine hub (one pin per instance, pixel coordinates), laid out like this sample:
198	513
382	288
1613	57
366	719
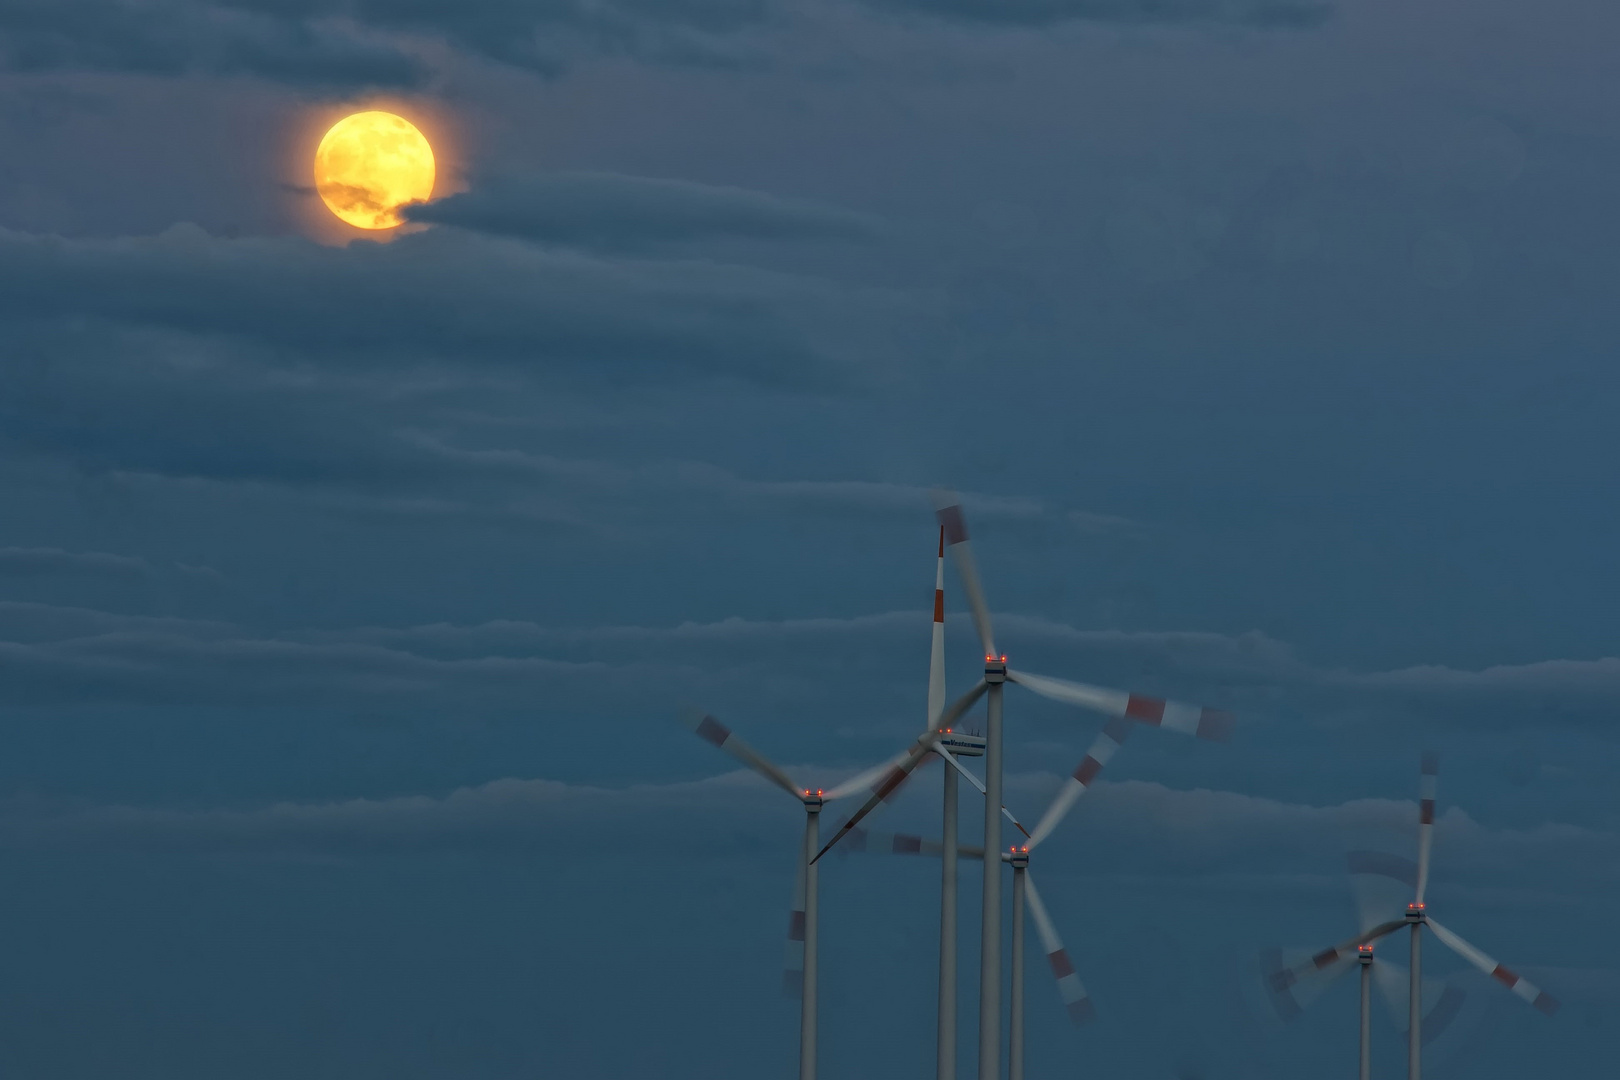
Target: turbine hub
812	801
1414	913
1019	857
995	669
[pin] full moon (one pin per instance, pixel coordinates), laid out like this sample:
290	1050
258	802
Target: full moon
369	165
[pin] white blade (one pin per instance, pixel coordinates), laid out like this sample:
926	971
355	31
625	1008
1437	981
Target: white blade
867	778
936	655
793	965
1318	962
950	759
879	775
712	730
1292	982
886	787
961	705
1070	989
915	756
1199	720
1428	783
1442	999
1513	981
1383	885
954	527
1102	748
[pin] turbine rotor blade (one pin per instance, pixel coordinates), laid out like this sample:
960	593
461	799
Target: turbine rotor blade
1200	720
1428	783
1284	977
711	730
948	719
1102	748
1075	998
1512	980
950	759
866	778
1442	1002
954	528
1293	988
885	788
936	655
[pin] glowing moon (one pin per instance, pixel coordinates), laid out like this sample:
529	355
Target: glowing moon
369	165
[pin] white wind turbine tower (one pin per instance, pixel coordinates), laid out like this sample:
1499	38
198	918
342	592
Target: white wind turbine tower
1025	894
1191	719
972	746
1417	916
1206	723
1296	985
948	744
802	925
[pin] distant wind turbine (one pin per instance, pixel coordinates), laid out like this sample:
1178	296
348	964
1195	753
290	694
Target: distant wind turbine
1320	968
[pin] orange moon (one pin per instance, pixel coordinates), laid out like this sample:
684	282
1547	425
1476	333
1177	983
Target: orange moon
369	165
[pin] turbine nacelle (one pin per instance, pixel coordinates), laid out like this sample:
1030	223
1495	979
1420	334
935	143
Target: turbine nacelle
995	669
961	743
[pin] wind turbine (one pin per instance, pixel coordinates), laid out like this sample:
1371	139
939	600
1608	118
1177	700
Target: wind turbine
1205	723
1417	916
802	923
1295	985
1191	719
1416	877
1025	895
1075	999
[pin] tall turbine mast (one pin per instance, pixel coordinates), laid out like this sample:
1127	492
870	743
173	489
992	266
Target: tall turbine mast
1196	720
953	531
803	923
1364	957
946	1050
1427	786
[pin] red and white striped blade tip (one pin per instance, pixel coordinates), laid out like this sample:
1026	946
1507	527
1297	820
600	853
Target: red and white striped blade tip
1515	982
1103	748
1199	720
954	525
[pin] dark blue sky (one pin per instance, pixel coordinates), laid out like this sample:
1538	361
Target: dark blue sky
350	591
